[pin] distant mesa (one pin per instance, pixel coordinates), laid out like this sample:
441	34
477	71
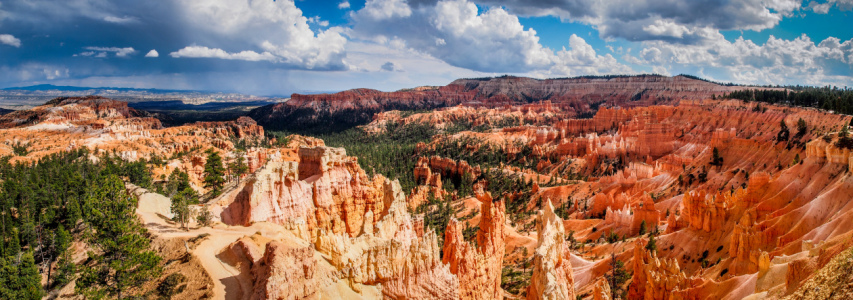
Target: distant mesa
582	95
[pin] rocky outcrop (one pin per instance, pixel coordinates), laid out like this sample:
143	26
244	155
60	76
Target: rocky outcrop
78	110
601	290
429	171
325	190
478	267
657	278
552	273
273	194
362	227
110	127
645	214
708	212
391	253
285	272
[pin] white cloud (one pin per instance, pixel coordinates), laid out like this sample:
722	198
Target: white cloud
581	59
666	28
152	53
318	21
103	51
10	40
378	10
279	33
120	20
343	5
205	52
778	61
823	8
669	20
457	32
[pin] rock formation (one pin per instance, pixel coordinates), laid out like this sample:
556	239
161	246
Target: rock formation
552	273
285	272
478	267
601	290
357	107
656	278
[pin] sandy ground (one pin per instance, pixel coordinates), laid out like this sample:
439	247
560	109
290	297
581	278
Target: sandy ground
228	282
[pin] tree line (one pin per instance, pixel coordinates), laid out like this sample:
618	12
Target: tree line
66	197
828	98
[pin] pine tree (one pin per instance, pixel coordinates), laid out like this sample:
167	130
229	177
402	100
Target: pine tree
802	127
29	283
178	181
652	244
204	217
213	173
181	206
783	134
238	167
617	276
716	159
19	278
123	259
642	227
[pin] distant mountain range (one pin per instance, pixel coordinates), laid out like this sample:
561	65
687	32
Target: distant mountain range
50	87
29	96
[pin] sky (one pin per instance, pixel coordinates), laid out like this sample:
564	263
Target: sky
278	47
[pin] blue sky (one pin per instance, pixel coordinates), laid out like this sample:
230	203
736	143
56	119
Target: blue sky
267	47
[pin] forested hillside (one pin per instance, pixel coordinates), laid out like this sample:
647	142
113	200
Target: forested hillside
68	198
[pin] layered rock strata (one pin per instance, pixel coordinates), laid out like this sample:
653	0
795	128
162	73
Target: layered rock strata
552	273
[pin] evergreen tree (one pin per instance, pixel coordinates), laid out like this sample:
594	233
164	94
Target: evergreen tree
204	217
801	127
178	181
19	278
238	167
213	173
14	245
716	159
123	259
617	275
652	244
643	227
181	206
783	134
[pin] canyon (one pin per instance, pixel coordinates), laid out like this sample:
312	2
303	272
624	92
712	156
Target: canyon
643	187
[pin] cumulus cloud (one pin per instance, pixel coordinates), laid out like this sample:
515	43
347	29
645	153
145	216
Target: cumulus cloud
152	53
280	33
823	8
581	59
10	40
318	21
494	40
343	5
102	51
672	20
378	10
777	61
205	52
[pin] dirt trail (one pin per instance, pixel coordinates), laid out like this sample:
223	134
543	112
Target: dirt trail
229	283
